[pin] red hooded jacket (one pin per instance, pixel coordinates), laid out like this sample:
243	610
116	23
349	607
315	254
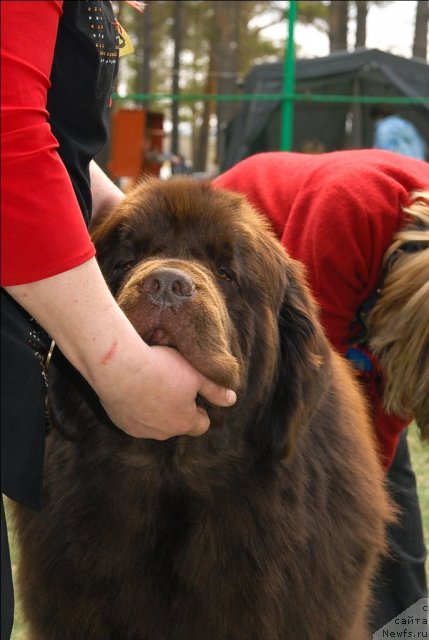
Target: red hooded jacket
337	213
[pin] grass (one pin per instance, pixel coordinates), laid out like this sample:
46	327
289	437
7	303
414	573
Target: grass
19	627
420	460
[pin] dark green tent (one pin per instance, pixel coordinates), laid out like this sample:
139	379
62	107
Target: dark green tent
326	126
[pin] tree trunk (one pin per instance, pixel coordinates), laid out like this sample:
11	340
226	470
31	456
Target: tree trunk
177	38
361	15
421	30
200	157
338	25
147	48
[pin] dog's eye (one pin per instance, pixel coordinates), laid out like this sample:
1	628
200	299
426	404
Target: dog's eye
224	274
126	266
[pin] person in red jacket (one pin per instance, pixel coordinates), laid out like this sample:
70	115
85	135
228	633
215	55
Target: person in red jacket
59	62
338	213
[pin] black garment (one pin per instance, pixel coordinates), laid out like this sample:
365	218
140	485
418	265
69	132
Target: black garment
83	71
82	76
24	346
402	577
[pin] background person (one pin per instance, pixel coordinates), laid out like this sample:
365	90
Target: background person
338	214
394	133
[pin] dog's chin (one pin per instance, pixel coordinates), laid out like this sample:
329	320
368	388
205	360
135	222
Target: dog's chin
222	371
159	337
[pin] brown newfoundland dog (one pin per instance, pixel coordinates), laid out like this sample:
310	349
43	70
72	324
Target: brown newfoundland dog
267	527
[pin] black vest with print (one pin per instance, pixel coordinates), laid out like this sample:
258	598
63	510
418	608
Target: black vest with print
83	72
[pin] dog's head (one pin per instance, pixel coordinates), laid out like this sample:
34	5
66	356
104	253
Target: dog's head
399	322
197	269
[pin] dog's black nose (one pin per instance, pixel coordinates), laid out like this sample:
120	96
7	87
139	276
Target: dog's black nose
169	287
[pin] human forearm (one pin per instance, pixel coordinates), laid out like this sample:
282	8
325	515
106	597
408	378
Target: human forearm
70	306
105	194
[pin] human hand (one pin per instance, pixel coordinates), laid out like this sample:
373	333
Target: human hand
157	397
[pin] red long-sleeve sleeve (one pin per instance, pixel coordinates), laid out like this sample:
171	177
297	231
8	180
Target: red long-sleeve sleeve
43	231
337	213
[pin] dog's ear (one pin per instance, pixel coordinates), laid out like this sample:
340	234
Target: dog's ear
303	370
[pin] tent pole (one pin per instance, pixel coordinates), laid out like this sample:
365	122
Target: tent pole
286	140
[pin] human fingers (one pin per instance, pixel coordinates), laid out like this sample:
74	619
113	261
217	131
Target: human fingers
201	423
174	365
195	423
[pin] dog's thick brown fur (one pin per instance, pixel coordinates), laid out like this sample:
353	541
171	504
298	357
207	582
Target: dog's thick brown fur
269	526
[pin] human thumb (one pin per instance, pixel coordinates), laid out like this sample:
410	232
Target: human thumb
217	395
